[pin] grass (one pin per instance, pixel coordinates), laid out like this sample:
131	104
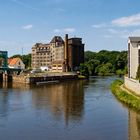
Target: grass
81	77
124	96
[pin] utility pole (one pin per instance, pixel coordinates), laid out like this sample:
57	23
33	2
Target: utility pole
22	53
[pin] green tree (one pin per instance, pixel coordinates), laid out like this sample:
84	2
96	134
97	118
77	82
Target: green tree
1	60
113	61
84	70
138	73
27	60
120	72
92	64
121	60
104	69
89	55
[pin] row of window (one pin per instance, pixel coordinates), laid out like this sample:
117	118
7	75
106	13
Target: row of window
41	57
37	61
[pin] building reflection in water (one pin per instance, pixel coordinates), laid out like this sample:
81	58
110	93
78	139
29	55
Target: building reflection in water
64	100
6	85
134	125
12	98
3	100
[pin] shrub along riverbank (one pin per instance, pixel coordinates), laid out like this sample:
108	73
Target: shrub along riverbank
124	96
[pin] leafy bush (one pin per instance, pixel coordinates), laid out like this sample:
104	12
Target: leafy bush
125	97
138	73
84	70
106	62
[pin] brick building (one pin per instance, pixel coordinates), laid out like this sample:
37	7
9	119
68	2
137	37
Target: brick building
75	53
59	55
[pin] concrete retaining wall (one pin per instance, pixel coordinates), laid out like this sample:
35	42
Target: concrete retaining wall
33	80
132	85
20	79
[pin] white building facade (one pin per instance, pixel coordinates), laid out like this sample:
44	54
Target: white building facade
133	56
16	63
49	55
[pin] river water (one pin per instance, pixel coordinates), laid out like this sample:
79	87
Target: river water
74	110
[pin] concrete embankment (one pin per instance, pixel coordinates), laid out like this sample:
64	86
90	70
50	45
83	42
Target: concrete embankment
124	95
132	85
35	78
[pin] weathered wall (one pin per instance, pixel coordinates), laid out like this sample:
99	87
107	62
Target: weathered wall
133	59
33	80
132	85
20	79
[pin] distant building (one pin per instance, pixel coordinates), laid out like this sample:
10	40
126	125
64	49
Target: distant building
59	55
75	53
16	63
3	58
41	55
133	56
48	55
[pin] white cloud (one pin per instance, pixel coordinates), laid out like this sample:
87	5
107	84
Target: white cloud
68	30
27	27
133	20
115	33
57	30
99	25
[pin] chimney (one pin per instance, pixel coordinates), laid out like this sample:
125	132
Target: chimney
66	53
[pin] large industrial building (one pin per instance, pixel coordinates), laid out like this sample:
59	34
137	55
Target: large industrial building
59	55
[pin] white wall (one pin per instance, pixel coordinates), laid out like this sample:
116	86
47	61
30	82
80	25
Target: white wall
132	85
133	59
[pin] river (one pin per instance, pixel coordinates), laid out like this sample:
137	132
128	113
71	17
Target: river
74	110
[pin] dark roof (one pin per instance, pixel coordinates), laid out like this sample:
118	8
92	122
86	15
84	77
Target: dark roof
134	39
76	38
40	45
57	39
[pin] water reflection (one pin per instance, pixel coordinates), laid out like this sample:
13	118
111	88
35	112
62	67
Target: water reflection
6	85
3	103
63	100
134	125
68	110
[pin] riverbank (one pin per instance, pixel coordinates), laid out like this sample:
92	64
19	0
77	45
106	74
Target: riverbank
49	77
44	77
124	95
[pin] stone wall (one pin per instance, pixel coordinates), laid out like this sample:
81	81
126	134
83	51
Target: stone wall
132	85
20	79
50	77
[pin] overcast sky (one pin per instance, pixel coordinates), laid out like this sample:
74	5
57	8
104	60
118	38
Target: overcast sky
103	24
